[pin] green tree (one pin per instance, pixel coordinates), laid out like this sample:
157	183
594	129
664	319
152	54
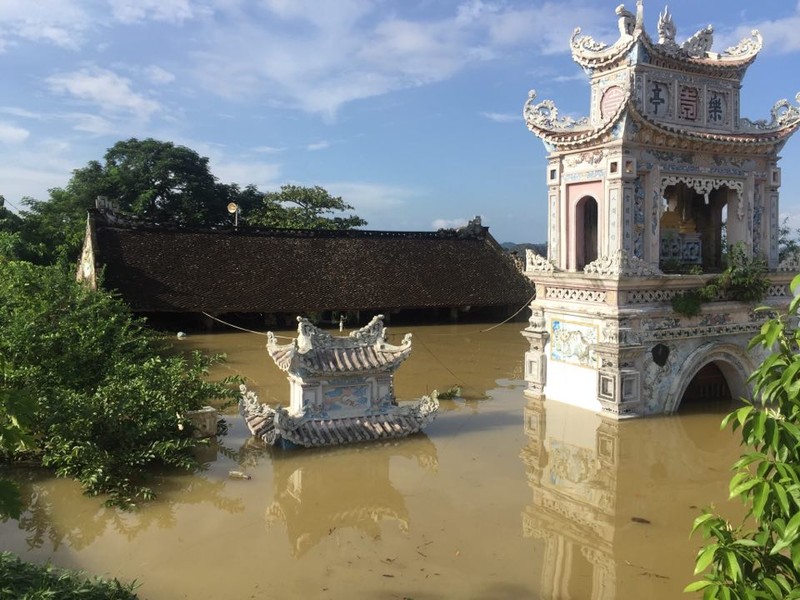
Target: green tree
16	415
788	240
109	399
10	225
760	558
157	180
299	207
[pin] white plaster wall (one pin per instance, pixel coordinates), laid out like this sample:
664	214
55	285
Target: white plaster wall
571	384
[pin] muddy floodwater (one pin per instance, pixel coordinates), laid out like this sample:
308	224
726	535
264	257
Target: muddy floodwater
503	497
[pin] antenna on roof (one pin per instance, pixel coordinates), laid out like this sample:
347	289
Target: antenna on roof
233	208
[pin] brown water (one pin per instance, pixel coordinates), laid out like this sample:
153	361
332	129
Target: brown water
504	498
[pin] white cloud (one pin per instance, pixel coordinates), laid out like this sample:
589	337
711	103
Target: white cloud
109	91
136	11
780	35
59	22
321	145
503	117
158	75
268	150
20	112
318	56
263	175
37	168
370	198
91	123
449	223
11	134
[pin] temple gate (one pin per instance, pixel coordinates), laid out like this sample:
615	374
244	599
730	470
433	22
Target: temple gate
644	197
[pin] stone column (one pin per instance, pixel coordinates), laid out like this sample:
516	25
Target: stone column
535	358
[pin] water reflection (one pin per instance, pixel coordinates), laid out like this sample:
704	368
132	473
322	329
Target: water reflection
610	500
317	492
49	522
572	470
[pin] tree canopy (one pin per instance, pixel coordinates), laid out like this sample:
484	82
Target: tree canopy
299	207
166	183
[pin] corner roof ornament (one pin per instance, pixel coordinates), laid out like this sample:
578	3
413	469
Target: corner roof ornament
666	29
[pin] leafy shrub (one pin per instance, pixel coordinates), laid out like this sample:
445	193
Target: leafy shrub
760	558
25	581
744	279
110	402
688	304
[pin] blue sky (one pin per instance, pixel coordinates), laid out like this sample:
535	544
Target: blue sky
411	110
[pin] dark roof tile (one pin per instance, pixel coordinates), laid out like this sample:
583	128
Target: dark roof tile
218	271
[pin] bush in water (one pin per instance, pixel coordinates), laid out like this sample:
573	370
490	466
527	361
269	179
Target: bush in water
19	579
109	401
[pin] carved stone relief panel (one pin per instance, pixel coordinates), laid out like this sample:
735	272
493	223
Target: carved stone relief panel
658	98
718	113
573	343
638	218
689	106
553	249
613	201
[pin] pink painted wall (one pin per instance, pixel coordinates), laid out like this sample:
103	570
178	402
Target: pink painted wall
572	239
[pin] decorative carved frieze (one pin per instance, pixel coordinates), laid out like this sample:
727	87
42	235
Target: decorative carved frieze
545	115
585	42
699	331
580	295
621	264
790	264
536	263
589	158
700	43
705	185
747	47
782	115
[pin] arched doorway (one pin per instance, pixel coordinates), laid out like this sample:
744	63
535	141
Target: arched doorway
586	230
707	389
693	378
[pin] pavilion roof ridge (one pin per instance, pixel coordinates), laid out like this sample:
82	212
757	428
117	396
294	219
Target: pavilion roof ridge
695	52
542	119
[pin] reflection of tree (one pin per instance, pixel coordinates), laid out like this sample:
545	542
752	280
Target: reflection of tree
319	491
574	500
43	496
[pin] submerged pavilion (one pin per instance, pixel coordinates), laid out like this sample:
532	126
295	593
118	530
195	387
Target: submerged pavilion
643	195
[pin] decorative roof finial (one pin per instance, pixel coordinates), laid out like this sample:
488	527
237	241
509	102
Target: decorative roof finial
666	28
700	43
627	21
639	16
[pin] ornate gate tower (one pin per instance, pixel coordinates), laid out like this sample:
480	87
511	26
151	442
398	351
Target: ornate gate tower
643	196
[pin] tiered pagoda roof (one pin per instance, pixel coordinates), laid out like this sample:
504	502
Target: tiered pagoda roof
317	352
636	58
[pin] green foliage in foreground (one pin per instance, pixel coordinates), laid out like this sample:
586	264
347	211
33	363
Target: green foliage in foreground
760	558
24	581
744	279
108	401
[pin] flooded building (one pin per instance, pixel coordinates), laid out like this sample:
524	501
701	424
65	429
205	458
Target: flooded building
277	274
645	197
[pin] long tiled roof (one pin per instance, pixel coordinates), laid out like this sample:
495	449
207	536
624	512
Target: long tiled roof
158	269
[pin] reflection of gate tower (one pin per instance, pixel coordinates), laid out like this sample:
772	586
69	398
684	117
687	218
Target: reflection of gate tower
574	479
660	174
